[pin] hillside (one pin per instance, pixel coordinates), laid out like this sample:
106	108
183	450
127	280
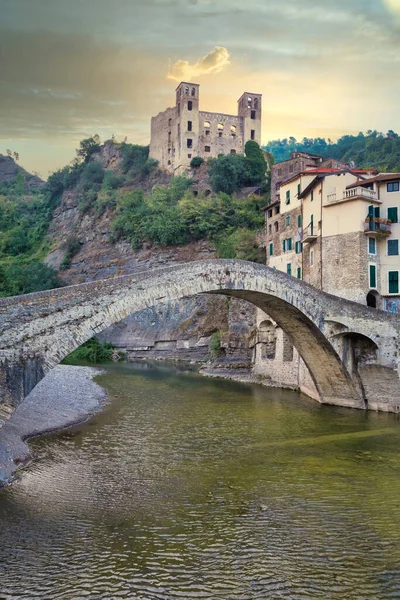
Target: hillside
373	149
9	170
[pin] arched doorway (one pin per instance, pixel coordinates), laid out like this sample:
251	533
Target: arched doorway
371	300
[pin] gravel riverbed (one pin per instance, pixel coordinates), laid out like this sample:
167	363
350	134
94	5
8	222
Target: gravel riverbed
66	396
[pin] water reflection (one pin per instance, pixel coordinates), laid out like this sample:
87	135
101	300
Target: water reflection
187	487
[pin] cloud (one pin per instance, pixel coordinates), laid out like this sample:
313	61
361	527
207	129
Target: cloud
212	63
393	6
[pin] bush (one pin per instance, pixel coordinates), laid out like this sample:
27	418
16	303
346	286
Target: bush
112	181
215	344
241	244
88	147
196	162
16	279
72	247
91	351
227	173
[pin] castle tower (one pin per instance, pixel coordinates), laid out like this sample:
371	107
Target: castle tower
187	110
249	109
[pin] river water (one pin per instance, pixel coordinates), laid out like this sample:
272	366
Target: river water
188	487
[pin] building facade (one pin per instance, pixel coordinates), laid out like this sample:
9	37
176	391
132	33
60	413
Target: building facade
337	228
182	132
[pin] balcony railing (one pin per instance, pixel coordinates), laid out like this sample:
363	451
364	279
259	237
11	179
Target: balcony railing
358	192
375	226
309	233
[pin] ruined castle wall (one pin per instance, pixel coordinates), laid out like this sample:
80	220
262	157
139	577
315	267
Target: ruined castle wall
220	134
163	144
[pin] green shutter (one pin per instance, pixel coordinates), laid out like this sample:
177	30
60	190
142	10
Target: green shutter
298	272
289	269
372	276
393	282
288	197
393	247
271	249
392	214
289	244
284	245
377	212
298	189
287	220
298	247
299	221
370	211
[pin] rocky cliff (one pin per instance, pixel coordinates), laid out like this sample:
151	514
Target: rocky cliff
9	169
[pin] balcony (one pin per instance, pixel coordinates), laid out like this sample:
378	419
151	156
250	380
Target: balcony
357	193
376	227
309	234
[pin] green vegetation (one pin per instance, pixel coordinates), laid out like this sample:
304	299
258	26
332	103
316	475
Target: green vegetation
241	244
173	215
215	344
230	172
374	149
91	351
196	162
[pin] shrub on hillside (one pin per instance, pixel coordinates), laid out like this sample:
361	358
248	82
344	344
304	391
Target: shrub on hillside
196	162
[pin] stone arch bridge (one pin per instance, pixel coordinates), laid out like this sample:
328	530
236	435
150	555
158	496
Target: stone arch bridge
336	338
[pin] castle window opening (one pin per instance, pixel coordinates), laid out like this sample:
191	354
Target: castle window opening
190	105
169	162
253	134
255	102
220	133
189	156
179	108
189	126
220	127
269	213
186	91
189	143
249	101
277	210
276	226
270	229
207	132
233	151
193	91
169	137
207	148
207	124
233	130
253	114
169	122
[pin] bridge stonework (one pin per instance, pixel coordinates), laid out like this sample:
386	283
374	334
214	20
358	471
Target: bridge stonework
351	351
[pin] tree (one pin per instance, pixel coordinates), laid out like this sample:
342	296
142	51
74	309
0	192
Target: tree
88	147
227	173
256	165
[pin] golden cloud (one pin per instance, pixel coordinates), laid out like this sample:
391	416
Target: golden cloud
393	6
213	62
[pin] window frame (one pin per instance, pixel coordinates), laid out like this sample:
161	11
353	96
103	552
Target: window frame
389	292
372	266
375	246
387	247
271	249
288	268
287	220
393	185
393	208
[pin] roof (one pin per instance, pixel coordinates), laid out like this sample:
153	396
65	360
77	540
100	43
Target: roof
378	178
321	173
324	171
271	205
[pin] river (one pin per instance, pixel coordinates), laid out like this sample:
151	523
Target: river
196	488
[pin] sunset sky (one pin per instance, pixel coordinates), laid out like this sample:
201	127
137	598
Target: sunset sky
72	68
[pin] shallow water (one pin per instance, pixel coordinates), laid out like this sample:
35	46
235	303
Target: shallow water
188	487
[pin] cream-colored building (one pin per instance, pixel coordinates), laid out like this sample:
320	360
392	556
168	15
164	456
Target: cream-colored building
337	229
182	132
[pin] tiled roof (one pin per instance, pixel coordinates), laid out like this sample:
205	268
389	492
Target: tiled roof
381	177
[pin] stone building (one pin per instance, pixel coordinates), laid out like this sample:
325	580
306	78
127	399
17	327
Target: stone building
336	228
184	131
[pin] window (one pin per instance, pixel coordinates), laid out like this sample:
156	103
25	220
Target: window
287	220
312	195
189	143
394	186
298	247
186	91
255	102
233	151
289	269
207	148
190	105
311	257
207	132
393	247
299	221
207	124
288	197
289	243
271	249
298	272
298	189
249	101
220	126
284	245
253	114
393	282
233	130
277	210
372	276
276	226
253	134
189	125
193	91
269	229
169	137
220	133
371	245
169	122
179	129
392	214
269	213
179	108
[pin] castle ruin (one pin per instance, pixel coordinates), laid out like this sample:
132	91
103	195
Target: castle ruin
180	133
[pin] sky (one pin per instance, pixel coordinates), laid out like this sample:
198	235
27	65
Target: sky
72	68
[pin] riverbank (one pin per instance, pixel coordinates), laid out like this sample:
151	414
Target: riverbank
67	396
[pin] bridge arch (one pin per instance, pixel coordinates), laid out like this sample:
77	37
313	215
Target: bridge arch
44	327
